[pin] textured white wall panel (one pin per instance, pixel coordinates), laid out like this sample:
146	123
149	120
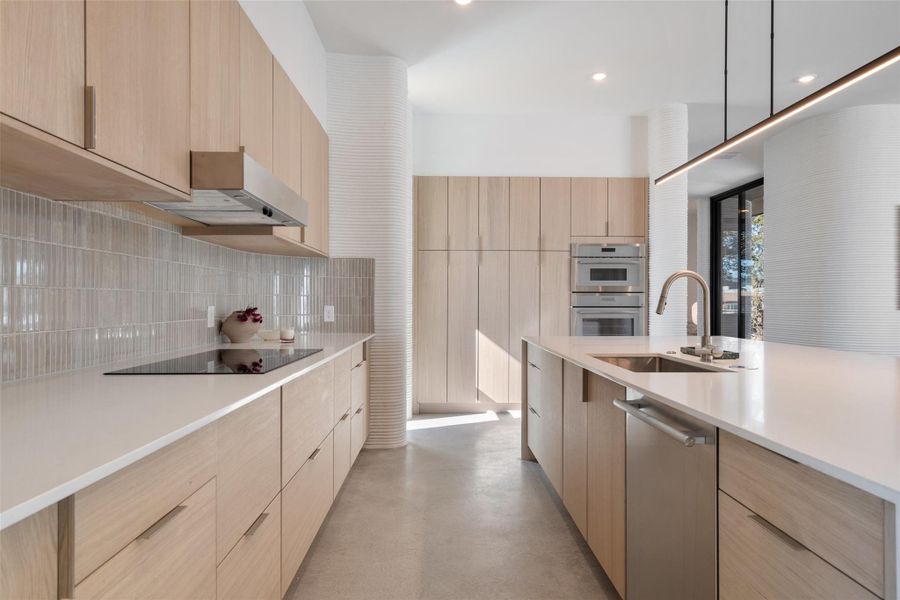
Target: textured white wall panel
832	220
667	140
371	216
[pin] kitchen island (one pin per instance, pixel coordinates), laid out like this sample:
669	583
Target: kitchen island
824	418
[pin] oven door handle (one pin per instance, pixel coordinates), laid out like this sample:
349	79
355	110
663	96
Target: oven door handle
607	312
608	261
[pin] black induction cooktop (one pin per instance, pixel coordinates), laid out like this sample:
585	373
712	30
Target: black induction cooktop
246	361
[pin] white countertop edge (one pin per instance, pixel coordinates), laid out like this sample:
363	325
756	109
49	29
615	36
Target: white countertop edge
21	511
609	370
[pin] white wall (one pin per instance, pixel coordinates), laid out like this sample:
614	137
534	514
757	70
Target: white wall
291	36
524	145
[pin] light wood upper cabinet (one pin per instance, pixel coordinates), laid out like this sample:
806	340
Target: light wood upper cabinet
431	213
555	301
431	326
462	212
627	206
462	326
524	311
256	97
215	75
589	206
287	139
28	557
524	213
42	61
138	63
493	326
315	180
556	205
493	213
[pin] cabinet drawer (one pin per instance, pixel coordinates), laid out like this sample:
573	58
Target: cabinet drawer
342	392
305	503
758	561
307	415
252	568
533	385
356	354
359	431
114	511
175	558
360	385
842	524
534	433
249	467
342	449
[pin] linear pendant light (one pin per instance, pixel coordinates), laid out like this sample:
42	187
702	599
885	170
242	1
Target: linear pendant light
870	68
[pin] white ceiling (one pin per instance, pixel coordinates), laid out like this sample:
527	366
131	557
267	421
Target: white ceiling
535	57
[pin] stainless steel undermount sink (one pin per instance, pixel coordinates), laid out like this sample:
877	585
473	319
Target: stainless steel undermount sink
653	363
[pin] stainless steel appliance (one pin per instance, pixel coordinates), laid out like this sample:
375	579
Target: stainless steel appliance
670	495
230	188
608	285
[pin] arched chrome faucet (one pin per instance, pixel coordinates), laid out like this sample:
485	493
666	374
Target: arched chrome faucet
706	351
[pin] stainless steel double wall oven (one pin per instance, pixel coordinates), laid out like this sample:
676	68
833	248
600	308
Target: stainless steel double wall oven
608	289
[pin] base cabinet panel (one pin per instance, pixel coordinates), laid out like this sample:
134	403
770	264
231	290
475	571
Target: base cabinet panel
342	450
307	415
252	569
28	550
359	431
575	435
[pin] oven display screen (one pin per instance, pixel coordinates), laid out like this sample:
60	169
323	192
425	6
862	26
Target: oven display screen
609	274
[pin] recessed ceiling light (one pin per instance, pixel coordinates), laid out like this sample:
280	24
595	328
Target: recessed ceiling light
598	76
463	2
806	78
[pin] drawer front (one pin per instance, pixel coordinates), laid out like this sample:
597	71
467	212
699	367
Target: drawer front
253	568
112	512
28	557
305	502
534	433
342	449
249	467
360	384
307	415
342	391
356	354
174	559
359	431
533	383
758	561
842	524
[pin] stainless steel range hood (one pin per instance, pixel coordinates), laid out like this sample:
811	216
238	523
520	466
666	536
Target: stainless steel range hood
230	188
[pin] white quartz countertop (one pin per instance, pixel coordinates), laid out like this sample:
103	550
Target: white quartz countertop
838	412
61	433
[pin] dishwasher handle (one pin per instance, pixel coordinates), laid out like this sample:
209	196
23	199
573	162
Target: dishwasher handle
634	407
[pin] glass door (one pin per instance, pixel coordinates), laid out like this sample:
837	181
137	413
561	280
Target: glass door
737	278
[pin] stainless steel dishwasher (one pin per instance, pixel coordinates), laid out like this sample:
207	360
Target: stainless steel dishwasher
670	495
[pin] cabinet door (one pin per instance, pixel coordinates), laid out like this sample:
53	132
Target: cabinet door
555	303
606	478
556	206
253	568
342	449
359	431
524	213
42	60
249	467
138	62
256	94
314	178
431	327
215	75
431	213
628	206
307	415
462	212
342	385
462	326
287	140
575	446
524	311
305	502
589	206
28	557
493	327
493	213
359	385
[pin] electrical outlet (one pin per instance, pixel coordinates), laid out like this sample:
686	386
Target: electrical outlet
329	313
210	316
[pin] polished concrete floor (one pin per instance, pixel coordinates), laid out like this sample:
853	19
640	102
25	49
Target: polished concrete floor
454	515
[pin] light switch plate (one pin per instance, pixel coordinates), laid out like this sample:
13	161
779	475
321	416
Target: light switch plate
329	313
210	316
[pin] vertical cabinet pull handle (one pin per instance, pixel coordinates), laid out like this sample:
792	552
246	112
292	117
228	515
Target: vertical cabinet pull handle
344	416
90	117
259	521
148	533
359	410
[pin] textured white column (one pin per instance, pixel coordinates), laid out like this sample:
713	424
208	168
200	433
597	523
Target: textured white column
832	217
371	216
667	137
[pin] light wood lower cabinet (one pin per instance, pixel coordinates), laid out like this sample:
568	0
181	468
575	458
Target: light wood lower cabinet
545	403
252	570
359	385
305	502
759	561
493	326
174	559
343	387
524	312
342	451
462	327
28	557
249	467
575	440
359	431
307	415
430	353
